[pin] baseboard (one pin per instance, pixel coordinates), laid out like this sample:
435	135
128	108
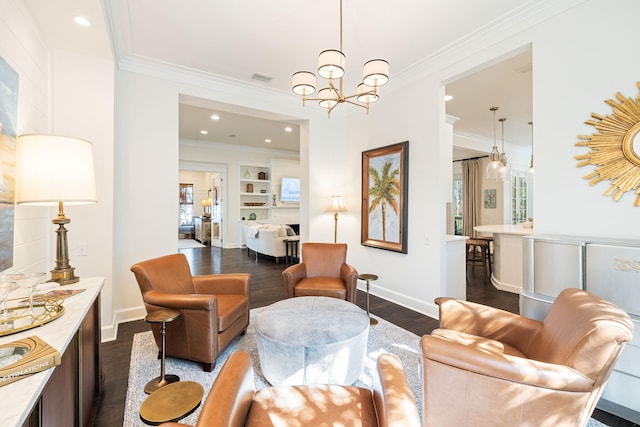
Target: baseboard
428	309
110	332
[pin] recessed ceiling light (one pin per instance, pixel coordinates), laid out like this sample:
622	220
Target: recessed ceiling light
204	132
81	20
448	97
215	117
288	129
268	141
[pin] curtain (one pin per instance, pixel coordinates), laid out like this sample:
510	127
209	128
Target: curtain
471	196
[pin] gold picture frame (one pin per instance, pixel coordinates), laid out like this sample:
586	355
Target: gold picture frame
615	147
385	187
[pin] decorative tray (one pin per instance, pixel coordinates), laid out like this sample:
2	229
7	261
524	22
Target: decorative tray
18	319
254	203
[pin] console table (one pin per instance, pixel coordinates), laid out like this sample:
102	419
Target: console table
68	394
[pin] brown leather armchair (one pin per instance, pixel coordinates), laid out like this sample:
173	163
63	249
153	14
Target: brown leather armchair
214	309
485	366
323	272
233	401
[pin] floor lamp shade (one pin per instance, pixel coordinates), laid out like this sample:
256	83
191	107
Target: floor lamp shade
54	170
335	206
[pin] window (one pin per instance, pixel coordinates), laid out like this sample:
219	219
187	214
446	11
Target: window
457	200
186	204
519	205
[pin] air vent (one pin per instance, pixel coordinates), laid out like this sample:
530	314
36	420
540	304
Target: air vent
261	77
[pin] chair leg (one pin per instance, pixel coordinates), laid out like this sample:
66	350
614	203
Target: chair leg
208	367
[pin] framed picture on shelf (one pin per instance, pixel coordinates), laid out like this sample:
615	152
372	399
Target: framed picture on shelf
385	173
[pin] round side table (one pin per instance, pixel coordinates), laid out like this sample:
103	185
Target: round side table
161	316
171	403
369	278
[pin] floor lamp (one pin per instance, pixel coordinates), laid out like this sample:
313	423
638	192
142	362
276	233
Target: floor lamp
51	171
335	206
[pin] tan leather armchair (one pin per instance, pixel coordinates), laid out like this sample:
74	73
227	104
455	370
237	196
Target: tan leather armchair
233	401
323	272
214	309
488	367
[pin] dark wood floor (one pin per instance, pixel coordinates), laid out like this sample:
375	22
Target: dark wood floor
266	288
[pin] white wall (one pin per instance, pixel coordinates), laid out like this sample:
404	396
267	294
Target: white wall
26	52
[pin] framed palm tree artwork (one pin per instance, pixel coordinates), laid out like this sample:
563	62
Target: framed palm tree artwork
385	173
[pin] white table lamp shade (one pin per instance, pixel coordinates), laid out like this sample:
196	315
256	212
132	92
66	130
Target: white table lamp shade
52	169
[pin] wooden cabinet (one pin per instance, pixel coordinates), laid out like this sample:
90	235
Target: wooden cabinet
68	394
202	229
255	190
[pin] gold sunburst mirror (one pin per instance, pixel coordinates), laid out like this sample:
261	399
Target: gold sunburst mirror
615	147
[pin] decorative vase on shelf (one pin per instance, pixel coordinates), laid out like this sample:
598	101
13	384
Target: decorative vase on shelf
247	175
274	200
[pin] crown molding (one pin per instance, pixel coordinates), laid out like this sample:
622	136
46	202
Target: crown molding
288	154
500	29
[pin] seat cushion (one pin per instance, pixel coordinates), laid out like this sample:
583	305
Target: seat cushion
484	344
312	405
321	286
231	307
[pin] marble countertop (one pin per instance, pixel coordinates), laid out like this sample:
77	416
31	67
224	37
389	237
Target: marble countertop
18	398
504	229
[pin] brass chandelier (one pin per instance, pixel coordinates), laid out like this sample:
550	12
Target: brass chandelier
331	64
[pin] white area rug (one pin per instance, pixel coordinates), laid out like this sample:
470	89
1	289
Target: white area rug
189	244
383	338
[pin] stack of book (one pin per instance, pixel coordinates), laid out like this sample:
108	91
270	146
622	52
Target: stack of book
24	357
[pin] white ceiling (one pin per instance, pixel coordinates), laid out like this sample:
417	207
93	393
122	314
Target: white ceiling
235	39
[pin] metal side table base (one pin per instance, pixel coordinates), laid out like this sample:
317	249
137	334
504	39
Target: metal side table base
369	278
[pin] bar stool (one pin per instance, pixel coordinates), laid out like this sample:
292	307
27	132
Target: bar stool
489	252
478	254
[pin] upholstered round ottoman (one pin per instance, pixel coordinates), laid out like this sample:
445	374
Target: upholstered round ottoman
312	340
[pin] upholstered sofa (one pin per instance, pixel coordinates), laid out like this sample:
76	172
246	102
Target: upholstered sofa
267	239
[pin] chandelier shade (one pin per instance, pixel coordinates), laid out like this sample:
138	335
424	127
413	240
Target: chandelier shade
303	83
375	73
367	94
327	98
331	64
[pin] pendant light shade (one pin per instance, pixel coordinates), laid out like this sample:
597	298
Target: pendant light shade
505	168
331	64
493	168
531	171
303	83
375	73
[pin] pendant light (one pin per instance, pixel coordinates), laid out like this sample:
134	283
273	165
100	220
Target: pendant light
493	168
505	168
530	171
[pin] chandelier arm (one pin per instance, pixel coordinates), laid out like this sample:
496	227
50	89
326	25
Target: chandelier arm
356	103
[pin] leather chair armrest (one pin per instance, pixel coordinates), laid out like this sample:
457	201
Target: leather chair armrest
222	284
509	368
349	276
293	275
395	404
231	394
181	301
488	322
